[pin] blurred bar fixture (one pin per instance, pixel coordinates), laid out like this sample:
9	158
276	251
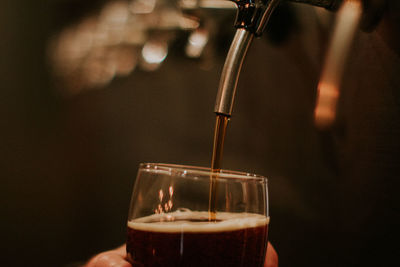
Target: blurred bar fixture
153	54
194	4
196	43
125	35
346	25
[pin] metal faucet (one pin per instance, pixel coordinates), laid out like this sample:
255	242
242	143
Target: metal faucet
251	19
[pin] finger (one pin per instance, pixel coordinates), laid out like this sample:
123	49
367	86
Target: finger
271	259
112	258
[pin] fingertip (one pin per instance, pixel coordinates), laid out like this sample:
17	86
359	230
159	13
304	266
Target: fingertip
271	259
107	259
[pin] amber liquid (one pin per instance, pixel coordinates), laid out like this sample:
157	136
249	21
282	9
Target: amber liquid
165	244
216	161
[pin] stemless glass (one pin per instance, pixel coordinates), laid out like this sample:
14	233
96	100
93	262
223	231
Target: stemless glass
169	220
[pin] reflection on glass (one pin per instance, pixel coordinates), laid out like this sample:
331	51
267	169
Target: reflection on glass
164	204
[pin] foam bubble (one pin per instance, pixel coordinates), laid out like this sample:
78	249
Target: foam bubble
197	221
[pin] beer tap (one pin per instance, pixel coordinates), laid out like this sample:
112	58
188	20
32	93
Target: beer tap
251	19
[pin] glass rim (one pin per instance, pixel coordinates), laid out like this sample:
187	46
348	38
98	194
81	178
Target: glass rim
190	170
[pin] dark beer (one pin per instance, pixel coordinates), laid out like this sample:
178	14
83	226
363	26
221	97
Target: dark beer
190	239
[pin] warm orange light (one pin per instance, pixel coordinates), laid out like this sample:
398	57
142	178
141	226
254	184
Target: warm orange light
325	110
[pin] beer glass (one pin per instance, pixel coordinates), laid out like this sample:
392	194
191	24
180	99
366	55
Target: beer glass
170	222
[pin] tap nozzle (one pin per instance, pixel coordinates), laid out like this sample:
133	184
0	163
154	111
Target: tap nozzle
251	18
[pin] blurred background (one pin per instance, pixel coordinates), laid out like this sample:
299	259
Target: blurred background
89	89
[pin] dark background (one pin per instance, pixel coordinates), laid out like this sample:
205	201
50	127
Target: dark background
67	165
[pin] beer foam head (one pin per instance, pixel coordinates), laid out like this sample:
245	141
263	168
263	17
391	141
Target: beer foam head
197	221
